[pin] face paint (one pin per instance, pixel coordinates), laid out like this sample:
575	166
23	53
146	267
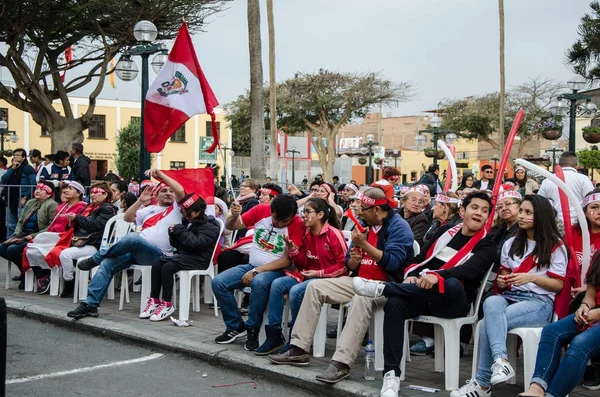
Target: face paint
592	212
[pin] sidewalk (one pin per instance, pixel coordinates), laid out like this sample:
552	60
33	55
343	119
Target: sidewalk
198	340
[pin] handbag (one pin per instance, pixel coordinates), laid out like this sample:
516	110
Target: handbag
80	241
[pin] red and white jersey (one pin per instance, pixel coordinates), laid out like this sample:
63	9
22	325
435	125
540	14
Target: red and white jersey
369	268
155	221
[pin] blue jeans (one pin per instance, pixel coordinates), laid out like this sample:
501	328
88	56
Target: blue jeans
131	249
558	377
11	222
512	309
295	290
231	279
13	253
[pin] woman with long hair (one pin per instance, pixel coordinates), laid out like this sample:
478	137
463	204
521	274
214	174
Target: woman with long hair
524	184
247	199
533	267
322	255
466	182
507	221
579	333
444	212
194	239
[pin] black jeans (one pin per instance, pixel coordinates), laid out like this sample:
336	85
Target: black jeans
231	258
406	301
162	276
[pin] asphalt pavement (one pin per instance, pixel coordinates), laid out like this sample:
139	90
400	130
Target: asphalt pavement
47	360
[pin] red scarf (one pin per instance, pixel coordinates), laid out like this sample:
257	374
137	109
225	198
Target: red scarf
154	219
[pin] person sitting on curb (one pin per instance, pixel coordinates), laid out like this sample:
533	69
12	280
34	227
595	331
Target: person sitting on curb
442	281
141	249
378	253
268	258
194	239
321	256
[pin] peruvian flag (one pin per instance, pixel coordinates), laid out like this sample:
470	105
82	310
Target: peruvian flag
179	92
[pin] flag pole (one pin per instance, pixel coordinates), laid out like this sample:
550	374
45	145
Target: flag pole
226	174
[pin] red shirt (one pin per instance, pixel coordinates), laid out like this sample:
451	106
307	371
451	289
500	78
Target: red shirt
369	269
578	248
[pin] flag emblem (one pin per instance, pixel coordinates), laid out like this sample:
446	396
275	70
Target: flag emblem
178	85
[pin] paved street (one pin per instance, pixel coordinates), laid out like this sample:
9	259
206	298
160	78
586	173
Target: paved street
41	349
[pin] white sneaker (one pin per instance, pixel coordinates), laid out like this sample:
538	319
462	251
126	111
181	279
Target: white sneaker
366	287
471	389
162	311
391	384
501	371
150	308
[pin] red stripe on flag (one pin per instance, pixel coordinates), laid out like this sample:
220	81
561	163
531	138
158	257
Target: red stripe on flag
164	121
196	180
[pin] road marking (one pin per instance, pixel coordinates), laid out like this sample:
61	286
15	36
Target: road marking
86	369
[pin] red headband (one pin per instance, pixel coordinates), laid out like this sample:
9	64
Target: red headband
371	201
45	188
190	201
326	187
270	192
158	188
392	177
97	190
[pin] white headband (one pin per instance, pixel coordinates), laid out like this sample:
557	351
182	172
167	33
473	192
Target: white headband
592	198
415	190
446	199
509	194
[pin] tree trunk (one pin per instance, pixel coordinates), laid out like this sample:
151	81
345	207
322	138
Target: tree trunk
257	122
274	161
502	76
325	150
61	139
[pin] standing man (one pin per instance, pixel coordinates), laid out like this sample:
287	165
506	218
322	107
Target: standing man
37	162
242	176
580	185
487	178
80	166
432	180
21	179
57	172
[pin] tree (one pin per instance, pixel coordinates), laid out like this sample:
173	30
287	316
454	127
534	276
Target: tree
321	103
39	32
478	117
274	163
590	159
257	126
128	150
584	54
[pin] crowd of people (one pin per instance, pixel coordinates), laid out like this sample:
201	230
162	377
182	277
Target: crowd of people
277	244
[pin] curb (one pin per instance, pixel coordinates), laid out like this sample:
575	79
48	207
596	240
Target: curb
208	352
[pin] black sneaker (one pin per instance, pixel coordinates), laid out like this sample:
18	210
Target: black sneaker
87	264
252	340
231	336
44	286
591	378
83	310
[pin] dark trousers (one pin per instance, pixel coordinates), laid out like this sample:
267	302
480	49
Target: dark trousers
13	253
231	258
406	301
162	276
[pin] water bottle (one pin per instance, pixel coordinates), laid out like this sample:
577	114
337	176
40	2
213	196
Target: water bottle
370	361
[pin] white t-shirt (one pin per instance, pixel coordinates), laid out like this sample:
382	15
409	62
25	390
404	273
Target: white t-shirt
159	233
557	268
484	184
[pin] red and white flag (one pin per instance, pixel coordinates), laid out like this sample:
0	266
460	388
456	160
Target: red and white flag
179	92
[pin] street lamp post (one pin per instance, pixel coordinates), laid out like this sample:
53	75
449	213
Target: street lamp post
396	154
224	148
145	33
554	150
587	109
495	159
369	146
293	151
3	132
435	124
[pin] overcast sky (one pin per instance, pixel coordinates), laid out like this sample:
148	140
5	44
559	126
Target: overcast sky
445	48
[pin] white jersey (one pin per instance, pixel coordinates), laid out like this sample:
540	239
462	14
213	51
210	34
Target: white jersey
158	234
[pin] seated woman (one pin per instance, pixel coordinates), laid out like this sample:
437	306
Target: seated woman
507	222
36	217
71	195
194	239
579	333
311	261
445	212
87	230
533	267
325	191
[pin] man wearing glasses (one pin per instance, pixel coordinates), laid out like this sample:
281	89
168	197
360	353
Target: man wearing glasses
378	253
487	178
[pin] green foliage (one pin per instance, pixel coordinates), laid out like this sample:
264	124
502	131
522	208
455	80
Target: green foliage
128	150
589	158
584	54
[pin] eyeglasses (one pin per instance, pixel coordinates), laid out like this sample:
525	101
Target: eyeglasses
308	211
506	205
363	209
488	172
412	200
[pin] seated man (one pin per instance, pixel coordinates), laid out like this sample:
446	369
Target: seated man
377	254
268	258
140	249
442	281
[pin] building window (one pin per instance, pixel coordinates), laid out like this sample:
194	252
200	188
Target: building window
135	119
177	165
179	135
462	155
209	128
45	132
98	128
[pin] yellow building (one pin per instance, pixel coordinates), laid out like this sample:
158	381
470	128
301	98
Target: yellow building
183	150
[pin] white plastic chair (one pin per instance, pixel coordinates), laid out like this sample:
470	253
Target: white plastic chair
116	228
8	275
185	283
447	334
